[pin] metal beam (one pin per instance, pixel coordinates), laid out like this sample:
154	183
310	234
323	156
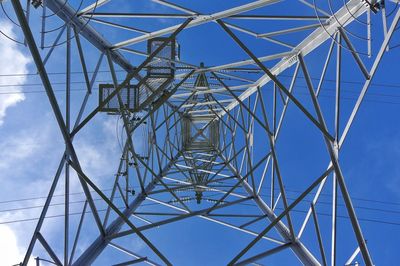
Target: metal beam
342	17
198	21
95	249
68	14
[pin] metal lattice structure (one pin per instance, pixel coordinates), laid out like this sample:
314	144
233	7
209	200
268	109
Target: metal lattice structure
214	130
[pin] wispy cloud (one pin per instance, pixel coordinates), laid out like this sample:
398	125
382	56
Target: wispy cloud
12	61
28	160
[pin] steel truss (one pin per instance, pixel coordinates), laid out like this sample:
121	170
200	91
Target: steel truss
236	121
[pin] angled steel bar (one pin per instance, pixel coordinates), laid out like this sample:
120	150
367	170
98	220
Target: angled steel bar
136	15
142	219
274	141
77	234
317	230
67	124
249	232
94	6
349	262
233	135
175	6
314	7
325	68
28	14
92	81
130	262
43	30
49	250
354	53
384	22
115	25
46	58
130	253
334	219
369	39
253	221
337	130
277	17
82	58
263	254
291	30
38	260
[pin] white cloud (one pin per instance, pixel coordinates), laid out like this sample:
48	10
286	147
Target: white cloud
12	61
9	249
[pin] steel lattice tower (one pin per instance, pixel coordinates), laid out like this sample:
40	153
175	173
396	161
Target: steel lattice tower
211	133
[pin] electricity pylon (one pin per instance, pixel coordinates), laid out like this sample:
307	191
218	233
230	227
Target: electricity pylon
212	133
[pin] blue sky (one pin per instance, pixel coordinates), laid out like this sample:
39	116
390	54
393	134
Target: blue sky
31	144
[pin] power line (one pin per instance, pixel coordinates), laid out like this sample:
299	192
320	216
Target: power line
264	195
109	81
287	188
97	199
280	75
61	215
148	204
